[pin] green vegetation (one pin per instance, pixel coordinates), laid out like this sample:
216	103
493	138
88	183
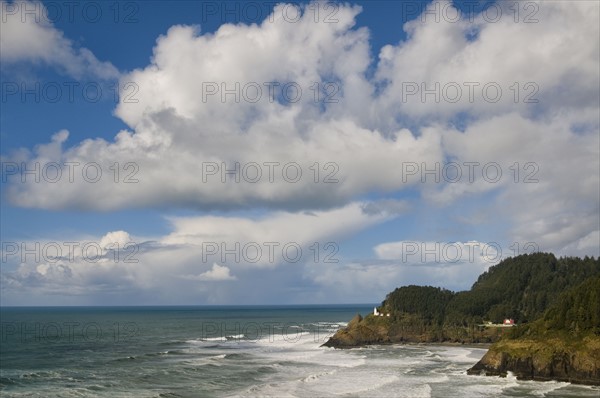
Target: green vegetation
563	344
555	303
521	288
428	301
575	315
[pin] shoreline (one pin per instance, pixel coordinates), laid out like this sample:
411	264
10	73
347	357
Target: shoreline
466	345
409	343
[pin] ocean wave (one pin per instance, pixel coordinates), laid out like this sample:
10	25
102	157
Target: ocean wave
221	339
7	381
126	359
314	377
41	375
171	343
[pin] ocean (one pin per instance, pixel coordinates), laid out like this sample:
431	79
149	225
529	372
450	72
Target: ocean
230	351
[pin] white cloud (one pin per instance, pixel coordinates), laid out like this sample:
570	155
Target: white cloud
369	280
549	190
216	273
116	239
361	142
28	36
175	132
283	227
448	253
553	53
585	246
166	267
358	142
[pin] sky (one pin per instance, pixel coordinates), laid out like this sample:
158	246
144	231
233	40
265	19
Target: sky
198	153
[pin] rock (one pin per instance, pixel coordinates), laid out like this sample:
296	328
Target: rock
357	334
355	321
542	361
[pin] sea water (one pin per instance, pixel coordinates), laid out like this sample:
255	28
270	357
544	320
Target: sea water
224	351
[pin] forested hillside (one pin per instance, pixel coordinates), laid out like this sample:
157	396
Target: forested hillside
521	288
576	312
430	302
562	345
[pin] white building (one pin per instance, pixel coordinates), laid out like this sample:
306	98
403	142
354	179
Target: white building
377	313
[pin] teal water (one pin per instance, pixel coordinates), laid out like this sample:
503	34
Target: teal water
228	351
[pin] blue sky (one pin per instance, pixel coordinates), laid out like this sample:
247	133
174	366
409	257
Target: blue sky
452	126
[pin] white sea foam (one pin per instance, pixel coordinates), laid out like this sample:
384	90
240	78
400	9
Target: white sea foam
222	338
460	354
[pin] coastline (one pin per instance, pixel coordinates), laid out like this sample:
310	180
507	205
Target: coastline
465	345
274	365
417	344
551	359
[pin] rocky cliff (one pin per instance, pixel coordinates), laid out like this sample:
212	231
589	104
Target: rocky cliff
407	328
563	345
556	303
543	360
358	333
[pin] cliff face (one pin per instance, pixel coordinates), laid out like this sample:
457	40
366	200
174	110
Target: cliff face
552	358
543	360
358	333
559	338
522	288
406	329
563	345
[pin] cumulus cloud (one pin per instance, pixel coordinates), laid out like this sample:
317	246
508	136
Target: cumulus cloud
216	273
29	36
275	226
439	252
540	60
188	149
167	266
189	146
307	157
116	238
362	278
